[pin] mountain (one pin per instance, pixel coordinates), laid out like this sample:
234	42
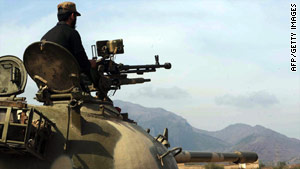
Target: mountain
231	134
181	133
270	146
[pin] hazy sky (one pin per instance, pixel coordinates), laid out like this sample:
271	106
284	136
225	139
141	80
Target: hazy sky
230	59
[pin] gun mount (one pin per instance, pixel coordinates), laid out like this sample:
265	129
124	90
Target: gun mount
111	75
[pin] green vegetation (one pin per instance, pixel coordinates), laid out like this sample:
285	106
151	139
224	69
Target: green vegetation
213	166
280	165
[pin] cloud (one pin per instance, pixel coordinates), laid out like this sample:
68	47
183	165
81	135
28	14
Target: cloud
162	93
260	98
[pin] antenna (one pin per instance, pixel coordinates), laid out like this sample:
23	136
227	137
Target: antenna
94	51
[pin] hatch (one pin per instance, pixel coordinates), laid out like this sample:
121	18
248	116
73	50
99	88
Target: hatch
53	65
13	76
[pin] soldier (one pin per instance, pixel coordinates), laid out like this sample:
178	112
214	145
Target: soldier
64	34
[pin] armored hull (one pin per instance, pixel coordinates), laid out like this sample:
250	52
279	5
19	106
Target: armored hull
105	141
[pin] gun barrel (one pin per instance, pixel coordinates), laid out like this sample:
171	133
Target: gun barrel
128	67
133	81
236	157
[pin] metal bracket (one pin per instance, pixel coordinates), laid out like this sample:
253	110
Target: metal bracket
74	109
42	44
160	157
43	94
163	138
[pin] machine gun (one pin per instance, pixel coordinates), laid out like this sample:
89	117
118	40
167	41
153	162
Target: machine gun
111	75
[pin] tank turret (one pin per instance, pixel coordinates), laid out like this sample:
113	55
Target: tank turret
74	129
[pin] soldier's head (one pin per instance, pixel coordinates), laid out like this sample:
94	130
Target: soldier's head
66	11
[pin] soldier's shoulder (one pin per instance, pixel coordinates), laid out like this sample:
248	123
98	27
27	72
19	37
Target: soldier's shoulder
75	33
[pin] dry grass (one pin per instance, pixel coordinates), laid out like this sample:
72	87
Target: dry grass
229	166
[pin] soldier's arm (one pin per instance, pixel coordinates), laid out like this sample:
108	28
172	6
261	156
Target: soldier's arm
79	53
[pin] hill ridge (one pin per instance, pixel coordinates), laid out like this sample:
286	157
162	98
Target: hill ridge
269	144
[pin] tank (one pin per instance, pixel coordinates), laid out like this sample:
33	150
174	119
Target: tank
75	129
